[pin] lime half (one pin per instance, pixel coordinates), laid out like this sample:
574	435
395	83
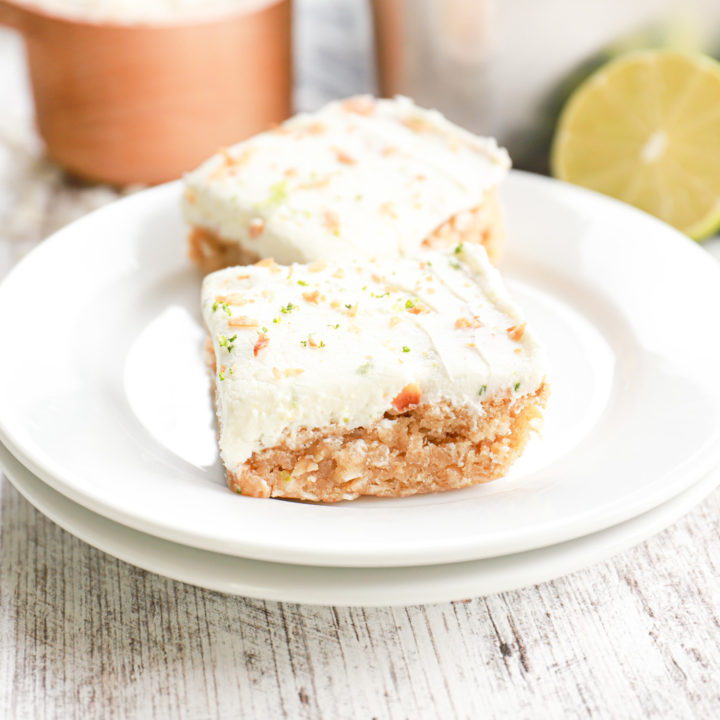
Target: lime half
646	129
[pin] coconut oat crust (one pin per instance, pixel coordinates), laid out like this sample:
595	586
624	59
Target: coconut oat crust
427	448
210	252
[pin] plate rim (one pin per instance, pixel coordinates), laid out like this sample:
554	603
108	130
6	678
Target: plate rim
486	575
453	552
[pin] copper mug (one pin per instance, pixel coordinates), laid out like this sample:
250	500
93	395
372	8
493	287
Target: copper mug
142	103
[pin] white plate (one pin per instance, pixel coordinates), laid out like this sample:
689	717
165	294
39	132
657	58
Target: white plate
104	396
347	586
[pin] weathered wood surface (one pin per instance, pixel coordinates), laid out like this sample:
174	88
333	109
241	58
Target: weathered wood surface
83	635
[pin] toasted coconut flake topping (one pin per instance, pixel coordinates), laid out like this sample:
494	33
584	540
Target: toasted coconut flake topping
233	299
262	341
242	321
256	227
331	222
418	310
516	332
343	157
318	183
464	322
408	396
359	104
270	264
415	123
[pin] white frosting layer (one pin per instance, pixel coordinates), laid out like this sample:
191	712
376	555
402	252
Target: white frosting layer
362	175
305	346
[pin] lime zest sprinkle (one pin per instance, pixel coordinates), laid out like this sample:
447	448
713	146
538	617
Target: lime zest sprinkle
227	342
277	195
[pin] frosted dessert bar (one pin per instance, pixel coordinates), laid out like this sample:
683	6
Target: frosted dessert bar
366	377
359	176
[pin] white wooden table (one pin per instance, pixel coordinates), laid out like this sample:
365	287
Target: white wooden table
83	635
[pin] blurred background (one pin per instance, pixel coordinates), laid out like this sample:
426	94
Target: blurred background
100	97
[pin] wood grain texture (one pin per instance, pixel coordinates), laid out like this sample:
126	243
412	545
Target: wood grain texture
83	635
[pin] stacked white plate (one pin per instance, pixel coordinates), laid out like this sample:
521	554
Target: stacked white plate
107	425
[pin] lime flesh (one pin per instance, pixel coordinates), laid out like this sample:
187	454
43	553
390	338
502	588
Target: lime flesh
646	129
